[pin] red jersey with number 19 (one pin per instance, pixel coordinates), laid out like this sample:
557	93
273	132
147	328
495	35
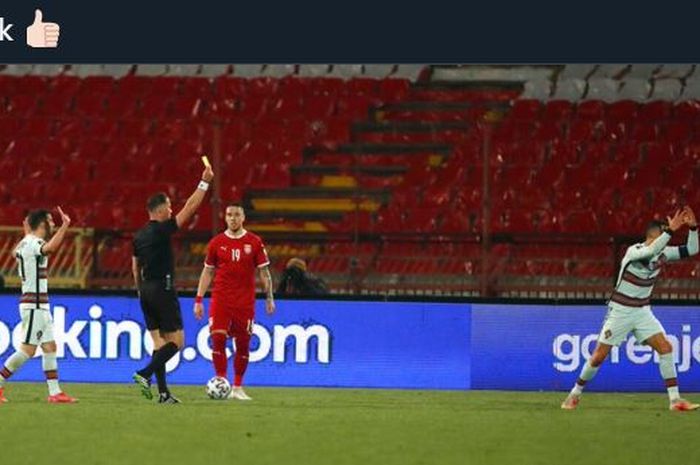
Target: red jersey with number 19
235	259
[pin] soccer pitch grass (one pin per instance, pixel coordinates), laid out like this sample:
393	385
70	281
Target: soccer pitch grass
113	424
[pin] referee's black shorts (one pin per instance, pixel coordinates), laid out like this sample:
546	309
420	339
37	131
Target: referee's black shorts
161	308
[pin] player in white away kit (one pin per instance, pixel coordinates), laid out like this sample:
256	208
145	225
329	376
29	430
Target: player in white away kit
37	326
629	310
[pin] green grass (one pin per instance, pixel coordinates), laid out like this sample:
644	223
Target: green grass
114	424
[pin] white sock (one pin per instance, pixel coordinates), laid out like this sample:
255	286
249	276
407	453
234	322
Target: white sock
588	372
12	364
667	367
50	366
673	393
54	388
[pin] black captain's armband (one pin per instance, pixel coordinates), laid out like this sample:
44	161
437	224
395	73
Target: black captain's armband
683	251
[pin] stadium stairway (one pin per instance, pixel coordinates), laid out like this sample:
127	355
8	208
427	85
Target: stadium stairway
394	147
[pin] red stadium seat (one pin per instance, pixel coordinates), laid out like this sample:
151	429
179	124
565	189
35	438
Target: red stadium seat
565	153
9	128
30	85
119	106
153	106
644	132
581	131
655	111
100	85
90	104
528	110
680	174
626	154
22	148
580	220
677	131
394	90
511	220
390	222
687	110
37	127
254	107
623	110
186	107
422	220
319	106
591	110
20	105
354	106
659	155
55	104
549	130
132	87
558	110
263	86
285	107
135	128
8	85
64	85
168	86
196	87
361	86
615	131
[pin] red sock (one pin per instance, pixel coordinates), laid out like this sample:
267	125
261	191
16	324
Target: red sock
218	342
240	361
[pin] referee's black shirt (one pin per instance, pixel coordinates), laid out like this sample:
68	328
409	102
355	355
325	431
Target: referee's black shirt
154	251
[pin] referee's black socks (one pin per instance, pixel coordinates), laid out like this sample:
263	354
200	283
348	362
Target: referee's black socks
158	360
160	377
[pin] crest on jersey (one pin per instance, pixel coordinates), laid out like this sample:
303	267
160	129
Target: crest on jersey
658	263
247	248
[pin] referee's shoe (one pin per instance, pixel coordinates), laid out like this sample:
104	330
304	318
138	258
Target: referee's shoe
167	398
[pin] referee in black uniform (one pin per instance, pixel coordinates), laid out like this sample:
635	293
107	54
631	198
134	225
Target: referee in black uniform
153	267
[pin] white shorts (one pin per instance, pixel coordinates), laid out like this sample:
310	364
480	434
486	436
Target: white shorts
619	322
37	326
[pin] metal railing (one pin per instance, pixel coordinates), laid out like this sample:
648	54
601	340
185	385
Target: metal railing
517	266
69	267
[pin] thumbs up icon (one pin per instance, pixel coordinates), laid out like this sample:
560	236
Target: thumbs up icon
41	34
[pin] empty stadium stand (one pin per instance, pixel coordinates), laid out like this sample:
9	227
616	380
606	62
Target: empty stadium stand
473	180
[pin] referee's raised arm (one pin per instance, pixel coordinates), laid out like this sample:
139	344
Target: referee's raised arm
195	200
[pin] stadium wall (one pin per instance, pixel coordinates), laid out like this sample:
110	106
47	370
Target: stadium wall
331	343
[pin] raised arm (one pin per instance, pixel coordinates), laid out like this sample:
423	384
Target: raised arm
644	252
205	279
195	200
691	246
266	279
55	242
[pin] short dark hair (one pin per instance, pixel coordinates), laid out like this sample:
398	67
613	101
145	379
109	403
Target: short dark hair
661	225
237	205
156	200
36	217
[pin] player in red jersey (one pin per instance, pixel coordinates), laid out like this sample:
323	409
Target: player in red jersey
232	258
